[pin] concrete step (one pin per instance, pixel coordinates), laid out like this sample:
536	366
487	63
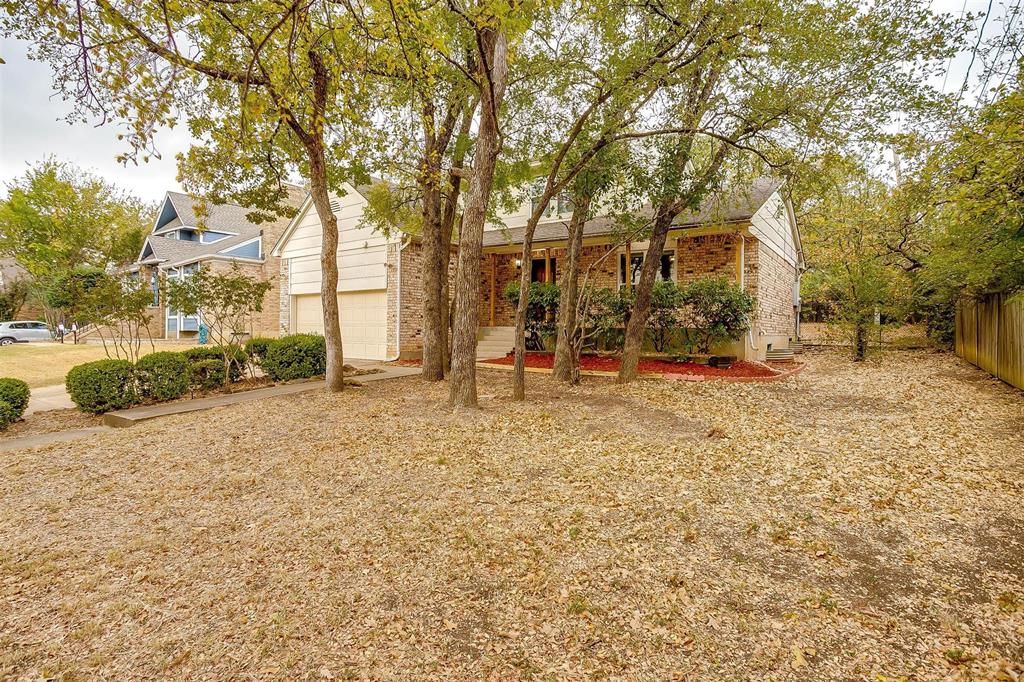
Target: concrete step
779	355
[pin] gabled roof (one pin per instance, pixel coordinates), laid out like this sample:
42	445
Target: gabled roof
362	190
737	206
229	218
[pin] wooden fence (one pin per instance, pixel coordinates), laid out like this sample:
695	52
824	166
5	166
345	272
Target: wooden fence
990	334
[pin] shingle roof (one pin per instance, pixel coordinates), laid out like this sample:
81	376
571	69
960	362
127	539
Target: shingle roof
736	206
221	218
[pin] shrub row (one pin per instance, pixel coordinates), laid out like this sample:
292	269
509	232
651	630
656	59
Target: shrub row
106	385
14	395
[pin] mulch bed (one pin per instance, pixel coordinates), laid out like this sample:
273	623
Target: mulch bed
602	363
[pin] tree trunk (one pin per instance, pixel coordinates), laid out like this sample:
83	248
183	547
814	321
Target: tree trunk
565	359
436	244
860	340
434	344
493	48
448	219
335	374
642	306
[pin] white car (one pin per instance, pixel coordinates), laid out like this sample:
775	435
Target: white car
23	331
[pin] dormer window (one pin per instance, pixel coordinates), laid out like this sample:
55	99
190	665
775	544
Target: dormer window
561	205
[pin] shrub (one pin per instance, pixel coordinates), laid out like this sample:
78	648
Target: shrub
256	349
541	310
237	355
298	356
15	393
715	312
666	300
102	386
206	374
162	376
7	415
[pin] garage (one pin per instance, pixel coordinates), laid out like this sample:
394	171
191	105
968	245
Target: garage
364	321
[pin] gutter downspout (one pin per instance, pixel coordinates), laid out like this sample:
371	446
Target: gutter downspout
402	243
743	287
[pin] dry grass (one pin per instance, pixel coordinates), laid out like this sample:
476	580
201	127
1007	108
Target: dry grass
45	364
850	523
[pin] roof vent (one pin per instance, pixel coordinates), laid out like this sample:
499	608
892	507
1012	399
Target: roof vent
335	205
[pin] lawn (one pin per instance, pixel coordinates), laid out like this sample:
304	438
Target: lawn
853	522
45	364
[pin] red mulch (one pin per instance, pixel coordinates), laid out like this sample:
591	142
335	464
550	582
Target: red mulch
610	364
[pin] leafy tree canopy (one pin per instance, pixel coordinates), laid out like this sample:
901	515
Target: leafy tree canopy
58	217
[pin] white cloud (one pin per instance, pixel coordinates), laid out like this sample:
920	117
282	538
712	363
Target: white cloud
32	126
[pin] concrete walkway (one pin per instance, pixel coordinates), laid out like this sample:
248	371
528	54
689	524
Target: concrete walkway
136	415
40	439
48	398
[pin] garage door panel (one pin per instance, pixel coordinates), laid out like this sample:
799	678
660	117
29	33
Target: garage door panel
363	321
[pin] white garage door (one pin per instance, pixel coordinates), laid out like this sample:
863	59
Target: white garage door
364	321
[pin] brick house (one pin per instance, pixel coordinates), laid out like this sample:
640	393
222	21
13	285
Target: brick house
750	236
184	239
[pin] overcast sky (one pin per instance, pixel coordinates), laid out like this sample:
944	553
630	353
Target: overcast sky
32	123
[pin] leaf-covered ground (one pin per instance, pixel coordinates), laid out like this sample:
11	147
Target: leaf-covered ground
850	523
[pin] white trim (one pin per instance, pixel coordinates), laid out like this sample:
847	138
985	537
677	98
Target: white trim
257	238
214	256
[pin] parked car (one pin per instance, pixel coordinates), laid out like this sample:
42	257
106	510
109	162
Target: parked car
23	331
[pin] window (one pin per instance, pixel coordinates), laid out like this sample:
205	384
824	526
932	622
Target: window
154	287
565	204
537	270
538	192
665	272
560	205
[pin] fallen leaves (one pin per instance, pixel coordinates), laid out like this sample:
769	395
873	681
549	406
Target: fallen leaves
854	522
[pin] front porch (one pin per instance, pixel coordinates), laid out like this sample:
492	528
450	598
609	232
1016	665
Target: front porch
685	259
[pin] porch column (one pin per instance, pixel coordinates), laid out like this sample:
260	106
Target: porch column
628	272
547	266
739	259
679	260
494	268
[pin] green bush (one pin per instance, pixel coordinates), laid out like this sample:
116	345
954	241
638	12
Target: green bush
715	312
541	311
7	415
162	376
256	349
206	375
298	356
238	358
102	386
15	393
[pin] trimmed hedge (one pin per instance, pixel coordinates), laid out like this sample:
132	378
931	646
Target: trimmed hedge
7	415
15	393
256	349
299	356
102	386
207	374
162	376
197	353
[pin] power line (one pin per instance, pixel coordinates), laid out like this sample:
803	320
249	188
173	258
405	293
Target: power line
977	44
949	62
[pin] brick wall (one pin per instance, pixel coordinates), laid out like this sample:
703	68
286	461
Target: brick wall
267	321
713	255
774	282
411	328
